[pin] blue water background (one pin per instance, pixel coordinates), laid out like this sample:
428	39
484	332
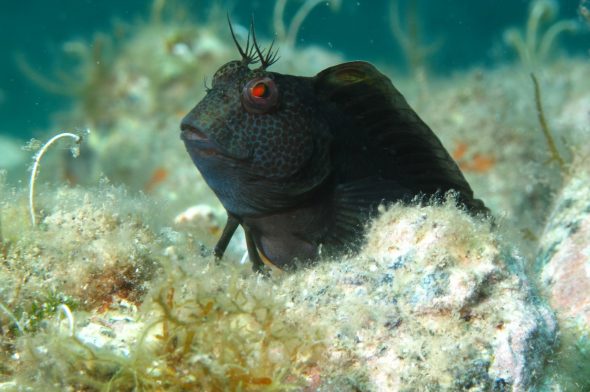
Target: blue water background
470	32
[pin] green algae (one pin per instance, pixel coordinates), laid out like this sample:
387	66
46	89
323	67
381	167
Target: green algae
195	335
202	325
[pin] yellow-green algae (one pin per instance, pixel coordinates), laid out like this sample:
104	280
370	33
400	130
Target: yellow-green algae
431	300
208	326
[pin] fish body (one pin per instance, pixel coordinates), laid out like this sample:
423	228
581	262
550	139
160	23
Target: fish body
301	163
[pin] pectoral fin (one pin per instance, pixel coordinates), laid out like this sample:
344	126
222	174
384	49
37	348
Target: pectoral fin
228	232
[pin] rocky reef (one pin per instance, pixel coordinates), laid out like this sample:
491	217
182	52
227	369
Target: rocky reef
563	265
115	288
434	298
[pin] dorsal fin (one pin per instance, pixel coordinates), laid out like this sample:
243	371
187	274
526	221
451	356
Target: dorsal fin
377	134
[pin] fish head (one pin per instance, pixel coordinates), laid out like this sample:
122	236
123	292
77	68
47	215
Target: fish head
255	117
256	127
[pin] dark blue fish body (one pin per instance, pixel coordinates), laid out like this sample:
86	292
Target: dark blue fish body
302	163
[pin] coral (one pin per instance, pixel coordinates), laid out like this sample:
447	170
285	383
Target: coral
533	46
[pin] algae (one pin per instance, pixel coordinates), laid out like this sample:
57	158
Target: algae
534	45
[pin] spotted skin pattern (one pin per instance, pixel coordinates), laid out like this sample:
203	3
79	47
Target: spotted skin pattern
275	147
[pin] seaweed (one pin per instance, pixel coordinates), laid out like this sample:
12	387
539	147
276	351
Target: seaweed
570	364
534	45
98	296
2	179
196	335
408	34
90	82
12	317
288	36
84	255
553	151
149	69
44	307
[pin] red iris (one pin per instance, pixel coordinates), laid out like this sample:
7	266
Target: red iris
259	90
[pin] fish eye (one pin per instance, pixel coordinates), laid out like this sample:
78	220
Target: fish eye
260	95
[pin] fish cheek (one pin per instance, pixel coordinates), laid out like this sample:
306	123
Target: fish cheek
281	143
233	133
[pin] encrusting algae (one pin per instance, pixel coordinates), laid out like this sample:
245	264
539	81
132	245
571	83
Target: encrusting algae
200	326
375	321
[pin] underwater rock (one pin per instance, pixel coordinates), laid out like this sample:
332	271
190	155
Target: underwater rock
564	255
433	299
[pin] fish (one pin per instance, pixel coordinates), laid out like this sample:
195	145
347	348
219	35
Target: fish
303	163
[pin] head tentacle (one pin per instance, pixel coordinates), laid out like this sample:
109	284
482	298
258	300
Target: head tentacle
248	55
266	59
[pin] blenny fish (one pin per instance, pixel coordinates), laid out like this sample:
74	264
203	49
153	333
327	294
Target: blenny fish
302	163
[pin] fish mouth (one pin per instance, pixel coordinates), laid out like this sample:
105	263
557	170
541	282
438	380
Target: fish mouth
193	135
198	142
190	133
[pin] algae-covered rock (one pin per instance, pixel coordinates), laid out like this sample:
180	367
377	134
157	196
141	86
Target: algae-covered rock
563	263
89	247
564	255
203	327
433	301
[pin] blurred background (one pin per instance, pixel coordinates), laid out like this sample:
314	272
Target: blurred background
464	34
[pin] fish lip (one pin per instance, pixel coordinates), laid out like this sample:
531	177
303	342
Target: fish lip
191	133
204	146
